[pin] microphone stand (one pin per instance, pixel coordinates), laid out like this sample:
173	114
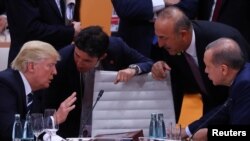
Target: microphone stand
85	131
228	101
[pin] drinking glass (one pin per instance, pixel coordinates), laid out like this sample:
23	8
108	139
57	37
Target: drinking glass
37	124
50	124
174	132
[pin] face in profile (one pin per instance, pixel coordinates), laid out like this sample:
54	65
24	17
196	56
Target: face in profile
214	71
171	41
83	61
44	71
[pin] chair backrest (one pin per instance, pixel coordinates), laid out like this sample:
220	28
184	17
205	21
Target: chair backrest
4	54
128	106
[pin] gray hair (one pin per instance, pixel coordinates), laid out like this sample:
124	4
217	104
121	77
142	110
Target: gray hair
33	51
181	21
226	51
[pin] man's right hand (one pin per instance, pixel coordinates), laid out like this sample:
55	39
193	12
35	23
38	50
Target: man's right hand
200	135
159	70
77	27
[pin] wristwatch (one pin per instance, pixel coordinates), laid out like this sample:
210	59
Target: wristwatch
135	67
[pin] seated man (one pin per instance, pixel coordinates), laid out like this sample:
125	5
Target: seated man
92	49
32	70
226	69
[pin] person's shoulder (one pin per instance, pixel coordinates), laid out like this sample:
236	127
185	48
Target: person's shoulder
66	51
115	43
9	75
115	39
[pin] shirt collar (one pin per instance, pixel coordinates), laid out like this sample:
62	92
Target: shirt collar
191	50
27	86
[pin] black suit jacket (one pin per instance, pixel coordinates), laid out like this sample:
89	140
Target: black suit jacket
136	27
232	12
12	101
36	20
181	75
67	80
236	111
2	7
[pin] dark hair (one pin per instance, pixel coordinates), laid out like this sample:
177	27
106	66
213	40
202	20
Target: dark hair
178	16
92	40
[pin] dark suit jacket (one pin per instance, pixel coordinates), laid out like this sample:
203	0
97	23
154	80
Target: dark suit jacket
12	101
136	27
36	20
2	7
232	12
237	111
119	56
182	81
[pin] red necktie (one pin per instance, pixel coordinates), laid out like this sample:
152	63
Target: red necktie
217	10
196	72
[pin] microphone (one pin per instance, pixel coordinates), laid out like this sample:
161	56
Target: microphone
85	131
226	103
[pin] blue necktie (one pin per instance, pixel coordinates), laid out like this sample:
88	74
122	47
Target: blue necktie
29	102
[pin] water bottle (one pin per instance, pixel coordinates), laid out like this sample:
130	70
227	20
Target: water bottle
28	131
161	130
153	126
17	131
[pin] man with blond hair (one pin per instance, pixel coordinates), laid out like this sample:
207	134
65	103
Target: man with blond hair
31	70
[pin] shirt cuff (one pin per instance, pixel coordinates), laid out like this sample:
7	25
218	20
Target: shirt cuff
188	131
158	5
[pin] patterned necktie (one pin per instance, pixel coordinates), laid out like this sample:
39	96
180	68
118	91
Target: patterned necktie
29	101
196	72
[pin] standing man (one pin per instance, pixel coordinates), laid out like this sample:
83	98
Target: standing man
92	49
42	20
232	71
182	45
230	12
136	25
33	69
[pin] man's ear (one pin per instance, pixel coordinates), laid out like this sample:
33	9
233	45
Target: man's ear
103	56
30	66
224	69
184	34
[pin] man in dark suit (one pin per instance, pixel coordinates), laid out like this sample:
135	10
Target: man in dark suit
232	71
32	70
136	25
231	12
179	38
92	48
38	20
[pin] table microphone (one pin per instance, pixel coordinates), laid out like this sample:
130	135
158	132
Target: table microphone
228	102
85	131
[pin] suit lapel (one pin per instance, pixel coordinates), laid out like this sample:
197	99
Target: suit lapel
20	94
52	3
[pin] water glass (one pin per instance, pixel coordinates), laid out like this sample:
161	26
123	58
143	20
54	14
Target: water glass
174	132
50	124
37	124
